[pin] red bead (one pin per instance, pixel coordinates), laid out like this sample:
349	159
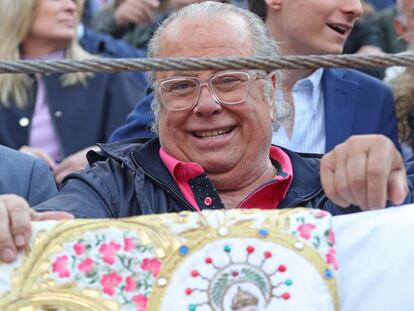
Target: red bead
188	291
267	254
285	296
250	249
195	273
234	273
208	201
281	268
208	260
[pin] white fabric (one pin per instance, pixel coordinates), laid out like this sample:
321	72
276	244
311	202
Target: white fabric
309	120
392	72
375	253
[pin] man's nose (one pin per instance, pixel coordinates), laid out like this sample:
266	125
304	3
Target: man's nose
206	104
352	8
70	5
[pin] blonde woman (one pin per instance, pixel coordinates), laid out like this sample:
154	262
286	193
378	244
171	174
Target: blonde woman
57	117
403	88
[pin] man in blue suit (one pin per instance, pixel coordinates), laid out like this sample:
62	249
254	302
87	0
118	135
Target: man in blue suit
324	106
26	176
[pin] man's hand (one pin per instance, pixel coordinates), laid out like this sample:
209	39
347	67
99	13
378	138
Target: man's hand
135	12
178	4
40	154
15	227
72	163
365	170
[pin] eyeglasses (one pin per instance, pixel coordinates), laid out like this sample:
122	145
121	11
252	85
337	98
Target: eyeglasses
228	88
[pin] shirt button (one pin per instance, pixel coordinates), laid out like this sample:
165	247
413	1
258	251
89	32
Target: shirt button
208	201
24	122
58	113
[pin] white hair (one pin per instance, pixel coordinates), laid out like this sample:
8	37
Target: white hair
261	41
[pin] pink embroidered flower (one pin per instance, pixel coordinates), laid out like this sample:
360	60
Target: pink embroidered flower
109	281
331	258
320	214
151	264
130	284
60	266
108	251
331	237
86	265
79	248
128	244
305	230
141	302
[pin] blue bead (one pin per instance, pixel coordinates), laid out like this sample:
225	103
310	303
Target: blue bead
263	233
328	274
183	250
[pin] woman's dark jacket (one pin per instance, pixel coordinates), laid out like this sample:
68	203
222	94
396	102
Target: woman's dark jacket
82	115
129	178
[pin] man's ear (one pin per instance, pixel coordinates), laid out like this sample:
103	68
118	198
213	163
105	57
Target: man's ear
274	4
272	79
399	27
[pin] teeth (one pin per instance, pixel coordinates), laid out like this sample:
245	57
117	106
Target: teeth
213	133
338	28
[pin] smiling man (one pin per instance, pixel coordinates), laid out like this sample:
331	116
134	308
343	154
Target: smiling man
327	105
214	148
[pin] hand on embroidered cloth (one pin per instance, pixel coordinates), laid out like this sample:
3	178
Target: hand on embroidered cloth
15	227
72	163
40	154
135	12
365	170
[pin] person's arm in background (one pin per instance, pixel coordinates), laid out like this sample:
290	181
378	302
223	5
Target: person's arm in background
42	185
138	123
26	176
123	15
121	94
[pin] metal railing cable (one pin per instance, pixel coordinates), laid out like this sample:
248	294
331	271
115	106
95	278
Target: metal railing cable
215	63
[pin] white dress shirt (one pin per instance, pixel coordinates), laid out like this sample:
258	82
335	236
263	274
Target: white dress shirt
309	121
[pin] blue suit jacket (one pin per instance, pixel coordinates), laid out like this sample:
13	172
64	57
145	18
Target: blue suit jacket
355	103
25	176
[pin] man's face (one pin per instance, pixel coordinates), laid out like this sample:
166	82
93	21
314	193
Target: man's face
406	27
313	26
220	138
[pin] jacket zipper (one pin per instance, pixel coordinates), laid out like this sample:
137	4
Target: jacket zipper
162	184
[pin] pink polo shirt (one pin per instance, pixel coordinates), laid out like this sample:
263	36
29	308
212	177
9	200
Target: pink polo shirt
42	132
267	196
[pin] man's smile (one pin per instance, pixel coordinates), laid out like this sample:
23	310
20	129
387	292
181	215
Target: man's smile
213	133
340	28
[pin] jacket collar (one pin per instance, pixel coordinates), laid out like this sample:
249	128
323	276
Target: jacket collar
306	178
141	152
340	95
305	183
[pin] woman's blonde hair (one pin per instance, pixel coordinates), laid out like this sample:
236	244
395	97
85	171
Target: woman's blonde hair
403	89
17	18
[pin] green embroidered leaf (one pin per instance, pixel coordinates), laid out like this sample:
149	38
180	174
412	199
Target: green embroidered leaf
253	276
316	242
218	288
